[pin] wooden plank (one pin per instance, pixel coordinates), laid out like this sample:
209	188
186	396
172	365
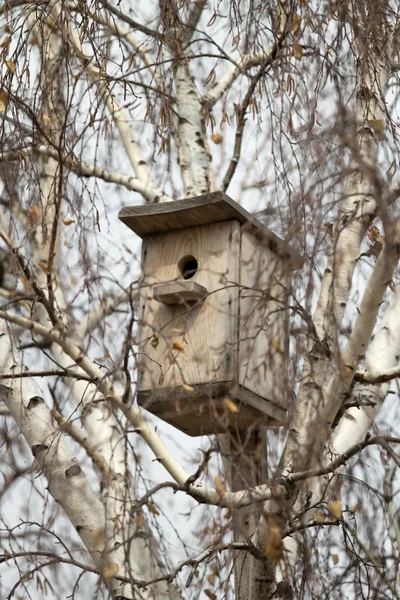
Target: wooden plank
196	344
210	208
202	411
263	405
263	322
179	292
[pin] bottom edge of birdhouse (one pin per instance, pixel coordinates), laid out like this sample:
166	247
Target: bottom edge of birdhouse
209	408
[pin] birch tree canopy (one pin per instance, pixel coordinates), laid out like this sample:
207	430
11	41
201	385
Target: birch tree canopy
291	107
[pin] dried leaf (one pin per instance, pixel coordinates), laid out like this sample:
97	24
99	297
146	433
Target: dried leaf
10	66
155	340
378	125
178	345
210	594
219	486
211	578
2	106
6	42
345	370
140	520
175	331
335	559
215	569
3	95
68	221
217	138
210	77
25	283
35	213
274	548
391	172
230	405
42	265
99	538
276	346
374	235
187	388
296	22
319	517
152	508
358	507
298	51
110	570
336	508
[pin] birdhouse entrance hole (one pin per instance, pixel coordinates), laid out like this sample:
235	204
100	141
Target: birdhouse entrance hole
188	266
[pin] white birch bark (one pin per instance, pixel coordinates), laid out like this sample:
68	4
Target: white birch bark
67	482
383	355
315	409
120	117
121	531
85	169
136	417
357	210
188	124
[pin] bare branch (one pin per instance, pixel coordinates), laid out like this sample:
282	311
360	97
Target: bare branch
85	169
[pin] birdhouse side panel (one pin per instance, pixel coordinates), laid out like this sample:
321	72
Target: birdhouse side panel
190	342
263	321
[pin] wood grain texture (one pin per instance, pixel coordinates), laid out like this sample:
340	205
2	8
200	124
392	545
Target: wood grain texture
202	411
210	208
263	322
179	292
195	344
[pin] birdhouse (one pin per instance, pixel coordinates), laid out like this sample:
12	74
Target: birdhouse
212	314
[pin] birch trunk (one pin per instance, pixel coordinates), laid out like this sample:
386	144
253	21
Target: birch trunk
130	546
326	371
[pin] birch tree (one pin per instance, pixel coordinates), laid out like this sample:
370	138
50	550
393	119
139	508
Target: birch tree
291	107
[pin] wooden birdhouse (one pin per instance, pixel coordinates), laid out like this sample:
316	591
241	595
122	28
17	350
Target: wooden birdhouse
212	313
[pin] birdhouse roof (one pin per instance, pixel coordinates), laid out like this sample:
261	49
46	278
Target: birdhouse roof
215	207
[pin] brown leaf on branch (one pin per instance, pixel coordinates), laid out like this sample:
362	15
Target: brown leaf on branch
10	66
217	138
336	508
219	486
274	548
110	570
298	51
230	405
178	345
188	388
152	508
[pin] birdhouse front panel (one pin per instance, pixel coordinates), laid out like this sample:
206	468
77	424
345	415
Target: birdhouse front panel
187	339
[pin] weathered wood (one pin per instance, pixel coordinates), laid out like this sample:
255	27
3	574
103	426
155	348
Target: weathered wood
248	467
263	321
213	312
179	292
210	208
195	344
202	411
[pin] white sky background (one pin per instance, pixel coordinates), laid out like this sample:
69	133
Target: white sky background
108	248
